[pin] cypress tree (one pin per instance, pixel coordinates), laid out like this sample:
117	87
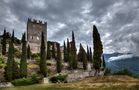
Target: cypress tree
83	57
42	65
48	51
98	50
104	64
53	50
16	73
90	55
65	52
4	43
23	62
69	56
59	66
73	52
28	52
9	64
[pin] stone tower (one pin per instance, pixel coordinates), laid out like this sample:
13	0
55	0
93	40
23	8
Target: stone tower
34	31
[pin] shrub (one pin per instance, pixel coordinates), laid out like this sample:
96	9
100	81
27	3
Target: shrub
2	64
123	72
107	71
58	78
25	81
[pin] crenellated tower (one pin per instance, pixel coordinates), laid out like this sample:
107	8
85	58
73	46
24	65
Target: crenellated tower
34	31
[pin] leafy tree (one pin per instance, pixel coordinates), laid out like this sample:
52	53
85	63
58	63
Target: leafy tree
9	64
65	52
73	52
42	65
23	62
28	52
4	43
98	50
58	64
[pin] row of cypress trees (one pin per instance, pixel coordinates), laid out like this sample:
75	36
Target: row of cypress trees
96	59
12	70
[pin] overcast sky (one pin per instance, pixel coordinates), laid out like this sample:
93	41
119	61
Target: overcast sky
116	20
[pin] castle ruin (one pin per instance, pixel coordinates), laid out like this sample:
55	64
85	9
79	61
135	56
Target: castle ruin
34	31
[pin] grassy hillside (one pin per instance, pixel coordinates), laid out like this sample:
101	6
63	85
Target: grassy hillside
93	83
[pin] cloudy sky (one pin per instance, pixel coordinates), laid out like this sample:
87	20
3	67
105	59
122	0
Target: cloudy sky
116	20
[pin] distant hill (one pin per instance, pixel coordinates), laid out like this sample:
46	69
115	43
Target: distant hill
119	61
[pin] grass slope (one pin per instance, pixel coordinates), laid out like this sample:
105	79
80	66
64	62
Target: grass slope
93	83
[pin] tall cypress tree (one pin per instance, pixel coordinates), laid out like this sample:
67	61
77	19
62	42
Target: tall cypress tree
90	55
73	52
83	57
16	73
53	50
65	52
4	43
28	52
104	64
9	64
58	64
23	62
48	51
98	50
69	55
43	67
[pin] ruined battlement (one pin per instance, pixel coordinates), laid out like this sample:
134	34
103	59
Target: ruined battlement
36	21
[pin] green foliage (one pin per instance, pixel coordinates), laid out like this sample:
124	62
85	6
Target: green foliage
58	59
90	55
9	64
26	81
123	72
82	56
65	53
23	62
17	53
103	63
98	49
53	51
16	72
2	64
48	51
107	71
28	52
42	64
4	43
73	52
59	78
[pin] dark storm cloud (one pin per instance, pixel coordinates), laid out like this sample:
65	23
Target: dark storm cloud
117	20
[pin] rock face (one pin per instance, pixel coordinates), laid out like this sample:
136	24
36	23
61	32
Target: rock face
80	74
